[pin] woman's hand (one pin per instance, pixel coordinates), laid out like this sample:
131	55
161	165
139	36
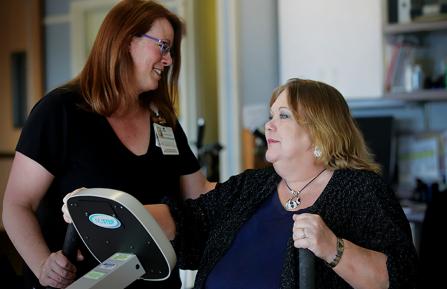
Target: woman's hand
65	212
310	232
57	271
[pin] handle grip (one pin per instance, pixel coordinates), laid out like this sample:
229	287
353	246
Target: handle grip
70	247
306	269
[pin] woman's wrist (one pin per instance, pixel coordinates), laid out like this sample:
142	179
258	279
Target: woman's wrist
340	247
162	215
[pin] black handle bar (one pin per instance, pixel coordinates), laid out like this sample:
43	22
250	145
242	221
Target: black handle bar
70	247
306	269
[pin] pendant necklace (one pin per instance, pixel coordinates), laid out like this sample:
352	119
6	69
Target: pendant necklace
295	199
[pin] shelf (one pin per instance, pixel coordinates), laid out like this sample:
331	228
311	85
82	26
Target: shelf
415	27
375	102
419	95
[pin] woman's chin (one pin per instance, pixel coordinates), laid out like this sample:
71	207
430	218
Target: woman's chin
270	157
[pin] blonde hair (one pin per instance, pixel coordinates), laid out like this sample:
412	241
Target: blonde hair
107	79
323	111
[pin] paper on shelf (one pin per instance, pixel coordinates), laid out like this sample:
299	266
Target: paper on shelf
419	157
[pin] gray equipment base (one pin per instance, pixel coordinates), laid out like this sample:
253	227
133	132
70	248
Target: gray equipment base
119	271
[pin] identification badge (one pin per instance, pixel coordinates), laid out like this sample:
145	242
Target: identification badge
164	138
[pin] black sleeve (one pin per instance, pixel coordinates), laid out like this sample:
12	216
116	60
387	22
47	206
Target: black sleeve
388	231
189	162
43	138
196	219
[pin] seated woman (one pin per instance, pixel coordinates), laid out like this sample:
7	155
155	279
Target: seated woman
323	193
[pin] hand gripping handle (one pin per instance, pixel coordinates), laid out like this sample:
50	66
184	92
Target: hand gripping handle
70	247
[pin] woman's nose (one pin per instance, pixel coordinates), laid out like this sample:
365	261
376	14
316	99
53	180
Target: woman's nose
166	59
269	125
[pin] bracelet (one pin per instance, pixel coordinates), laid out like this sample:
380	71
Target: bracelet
340	250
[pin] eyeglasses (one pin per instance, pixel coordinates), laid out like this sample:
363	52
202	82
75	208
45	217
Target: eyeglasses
164	46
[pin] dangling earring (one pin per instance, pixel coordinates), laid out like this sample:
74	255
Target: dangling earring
317	152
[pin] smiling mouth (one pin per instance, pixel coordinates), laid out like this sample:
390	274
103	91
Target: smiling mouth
158	71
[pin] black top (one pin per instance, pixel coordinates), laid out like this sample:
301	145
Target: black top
356	205
81	149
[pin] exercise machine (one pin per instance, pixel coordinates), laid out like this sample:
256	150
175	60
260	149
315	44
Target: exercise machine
122	235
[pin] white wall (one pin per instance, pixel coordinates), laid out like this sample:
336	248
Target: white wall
247	72
335	41
258	43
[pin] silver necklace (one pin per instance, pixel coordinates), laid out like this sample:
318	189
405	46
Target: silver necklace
295	199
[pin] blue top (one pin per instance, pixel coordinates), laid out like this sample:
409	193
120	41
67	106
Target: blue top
258	250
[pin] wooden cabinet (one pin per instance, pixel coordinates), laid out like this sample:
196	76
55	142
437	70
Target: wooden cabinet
253	151
21	34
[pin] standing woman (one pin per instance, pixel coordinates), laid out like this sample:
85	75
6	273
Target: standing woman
102	130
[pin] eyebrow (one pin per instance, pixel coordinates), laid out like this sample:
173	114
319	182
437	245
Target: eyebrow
281	107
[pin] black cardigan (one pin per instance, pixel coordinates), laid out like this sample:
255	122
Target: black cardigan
356	205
